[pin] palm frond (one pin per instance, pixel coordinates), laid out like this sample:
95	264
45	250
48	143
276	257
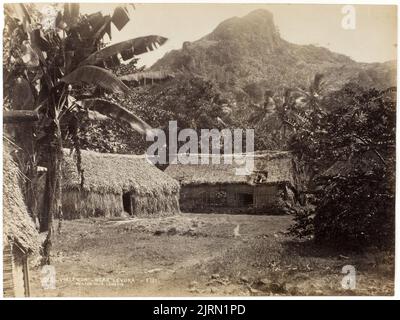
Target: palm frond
120	17
317	82
118	113
287	95
19	11
96	116
127	49
105	28
302	92
96	76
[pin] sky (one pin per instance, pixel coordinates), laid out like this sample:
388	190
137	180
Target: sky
374	38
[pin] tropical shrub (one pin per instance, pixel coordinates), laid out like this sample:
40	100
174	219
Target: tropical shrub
349	144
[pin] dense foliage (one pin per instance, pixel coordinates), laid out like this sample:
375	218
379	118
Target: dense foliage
194	103
349	145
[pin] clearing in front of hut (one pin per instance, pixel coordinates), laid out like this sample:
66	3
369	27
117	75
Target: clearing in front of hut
202	255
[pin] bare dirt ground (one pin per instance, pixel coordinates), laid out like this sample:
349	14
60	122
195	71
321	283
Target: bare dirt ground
203	255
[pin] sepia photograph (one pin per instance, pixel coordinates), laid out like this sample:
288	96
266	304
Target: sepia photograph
198	150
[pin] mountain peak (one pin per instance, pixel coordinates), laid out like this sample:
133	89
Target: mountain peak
248	51
260	14
258	25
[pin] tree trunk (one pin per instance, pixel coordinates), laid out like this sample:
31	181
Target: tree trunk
31	186
52	201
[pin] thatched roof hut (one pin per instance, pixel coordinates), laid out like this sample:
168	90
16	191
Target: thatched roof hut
20	237
270	167
275	176
114	183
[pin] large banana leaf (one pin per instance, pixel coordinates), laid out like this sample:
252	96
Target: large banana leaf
20	12
120	17
147	75
127	49
116	112
105	28
96	76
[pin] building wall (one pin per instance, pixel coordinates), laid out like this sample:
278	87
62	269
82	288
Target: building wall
81	204
8	283
77	205
14	271
232	198
155	205
266	195
18	272
201	198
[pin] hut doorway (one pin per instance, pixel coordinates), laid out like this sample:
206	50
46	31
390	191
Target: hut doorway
245	199
127	202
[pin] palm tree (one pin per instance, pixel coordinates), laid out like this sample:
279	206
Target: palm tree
62	65
274	117
309	100
284	112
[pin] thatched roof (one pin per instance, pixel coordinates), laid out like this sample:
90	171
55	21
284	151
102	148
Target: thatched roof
116	173
269	168
18	227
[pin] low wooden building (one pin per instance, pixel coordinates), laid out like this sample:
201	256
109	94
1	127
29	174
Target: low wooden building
116	184
20	237
212	187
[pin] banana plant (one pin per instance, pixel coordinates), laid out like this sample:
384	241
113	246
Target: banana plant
54	57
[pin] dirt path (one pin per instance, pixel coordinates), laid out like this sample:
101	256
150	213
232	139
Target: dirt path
202	254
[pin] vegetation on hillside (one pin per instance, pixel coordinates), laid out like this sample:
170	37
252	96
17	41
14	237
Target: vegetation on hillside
249	51
194	103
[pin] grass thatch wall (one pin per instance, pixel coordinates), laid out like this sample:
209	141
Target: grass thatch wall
107	177
157	205
77	204
84	204
18	227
